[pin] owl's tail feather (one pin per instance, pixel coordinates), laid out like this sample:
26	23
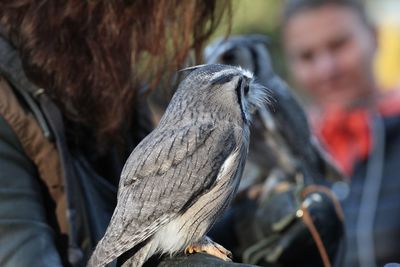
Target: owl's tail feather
113	245
106	251
140	257
101	256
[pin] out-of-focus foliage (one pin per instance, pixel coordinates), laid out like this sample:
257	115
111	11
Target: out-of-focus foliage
261	16
387	65
385	13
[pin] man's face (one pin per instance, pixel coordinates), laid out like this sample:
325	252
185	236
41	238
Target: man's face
330	52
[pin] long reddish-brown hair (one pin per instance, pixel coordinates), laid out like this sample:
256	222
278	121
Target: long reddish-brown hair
92	57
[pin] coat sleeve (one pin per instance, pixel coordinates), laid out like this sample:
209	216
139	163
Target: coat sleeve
26	239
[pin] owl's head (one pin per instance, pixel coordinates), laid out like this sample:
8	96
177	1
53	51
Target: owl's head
223	90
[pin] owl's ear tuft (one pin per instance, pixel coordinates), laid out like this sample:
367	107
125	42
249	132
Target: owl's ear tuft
186	71
192	68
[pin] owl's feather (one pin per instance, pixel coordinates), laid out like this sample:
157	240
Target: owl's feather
153	191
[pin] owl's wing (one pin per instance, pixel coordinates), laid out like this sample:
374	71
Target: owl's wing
162	177
163	149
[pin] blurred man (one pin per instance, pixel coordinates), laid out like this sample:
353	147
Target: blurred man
330	47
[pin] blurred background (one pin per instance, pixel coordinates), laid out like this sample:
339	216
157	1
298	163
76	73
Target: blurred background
262	16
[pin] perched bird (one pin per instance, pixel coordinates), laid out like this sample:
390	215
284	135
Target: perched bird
282	143
184	174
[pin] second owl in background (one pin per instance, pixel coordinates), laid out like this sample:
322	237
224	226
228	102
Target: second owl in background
279	183
282	126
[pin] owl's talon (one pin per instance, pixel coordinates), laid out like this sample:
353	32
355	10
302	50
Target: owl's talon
206	245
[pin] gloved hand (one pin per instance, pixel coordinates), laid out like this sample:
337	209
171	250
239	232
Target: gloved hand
284	228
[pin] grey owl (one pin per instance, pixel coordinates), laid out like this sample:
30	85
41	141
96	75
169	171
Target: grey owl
184	173
281	128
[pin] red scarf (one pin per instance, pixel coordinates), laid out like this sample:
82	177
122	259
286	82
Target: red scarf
346	135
